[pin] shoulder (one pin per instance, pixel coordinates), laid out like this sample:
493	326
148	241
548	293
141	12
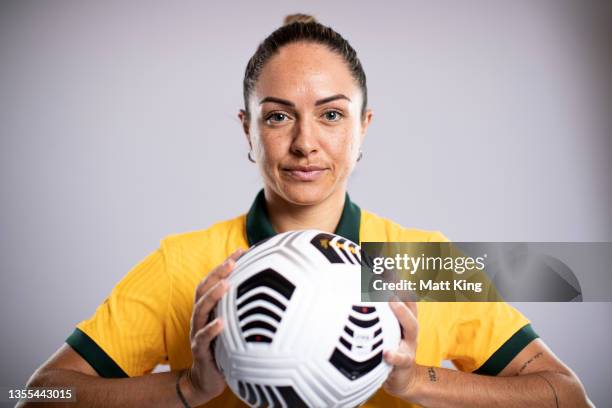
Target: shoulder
231	229
377	228
205	247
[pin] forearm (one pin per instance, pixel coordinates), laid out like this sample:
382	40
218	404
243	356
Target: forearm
440	387
154	390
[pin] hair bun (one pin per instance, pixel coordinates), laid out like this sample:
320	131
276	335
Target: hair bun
299	18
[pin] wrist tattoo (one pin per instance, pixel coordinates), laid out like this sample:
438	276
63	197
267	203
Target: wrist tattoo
540	354
433	377
551	387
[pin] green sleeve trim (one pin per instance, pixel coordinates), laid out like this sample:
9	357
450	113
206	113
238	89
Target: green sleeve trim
95	356
500	359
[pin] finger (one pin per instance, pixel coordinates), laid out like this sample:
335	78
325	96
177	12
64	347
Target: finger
203	337
397	358
237	254
407	320
413	308
203	307
220	272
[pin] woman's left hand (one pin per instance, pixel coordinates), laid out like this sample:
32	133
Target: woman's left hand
402	378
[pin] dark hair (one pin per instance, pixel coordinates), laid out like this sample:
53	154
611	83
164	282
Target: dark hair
302	27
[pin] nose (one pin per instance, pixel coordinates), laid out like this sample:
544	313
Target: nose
304	141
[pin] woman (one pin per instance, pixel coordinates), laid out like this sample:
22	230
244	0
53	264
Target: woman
305	118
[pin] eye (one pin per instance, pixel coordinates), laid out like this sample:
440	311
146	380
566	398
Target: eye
332	115
276	117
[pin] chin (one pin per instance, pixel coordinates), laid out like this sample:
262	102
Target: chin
301	193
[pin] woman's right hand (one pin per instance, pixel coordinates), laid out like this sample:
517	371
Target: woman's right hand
205	379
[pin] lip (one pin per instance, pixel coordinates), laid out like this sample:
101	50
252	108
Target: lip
304	173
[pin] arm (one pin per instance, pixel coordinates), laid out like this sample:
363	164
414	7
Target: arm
66	368
535	377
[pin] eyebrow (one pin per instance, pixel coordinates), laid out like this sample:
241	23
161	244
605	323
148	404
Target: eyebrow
280	101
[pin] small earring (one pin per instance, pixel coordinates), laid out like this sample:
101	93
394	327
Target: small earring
360	155
250	157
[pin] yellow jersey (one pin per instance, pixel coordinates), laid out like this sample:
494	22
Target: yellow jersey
145	320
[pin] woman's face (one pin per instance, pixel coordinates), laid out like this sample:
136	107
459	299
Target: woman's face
306	127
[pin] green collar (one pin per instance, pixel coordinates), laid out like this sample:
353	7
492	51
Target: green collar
258	226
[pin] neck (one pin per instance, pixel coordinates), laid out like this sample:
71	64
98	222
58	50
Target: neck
285	216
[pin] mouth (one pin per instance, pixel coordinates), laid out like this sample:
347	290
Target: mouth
304	173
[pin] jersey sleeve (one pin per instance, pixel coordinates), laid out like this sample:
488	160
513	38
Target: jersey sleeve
125	335
486	336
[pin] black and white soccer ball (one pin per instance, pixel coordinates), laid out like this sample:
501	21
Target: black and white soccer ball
295	331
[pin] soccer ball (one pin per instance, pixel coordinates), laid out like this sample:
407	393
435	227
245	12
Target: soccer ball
295	331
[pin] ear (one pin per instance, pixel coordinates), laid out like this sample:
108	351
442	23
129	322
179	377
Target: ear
365	122
244	120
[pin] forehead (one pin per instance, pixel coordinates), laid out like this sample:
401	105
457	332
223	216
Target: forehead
305	70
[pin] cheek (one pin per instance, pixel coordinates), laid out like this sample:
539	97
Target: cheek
271	147
342	146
